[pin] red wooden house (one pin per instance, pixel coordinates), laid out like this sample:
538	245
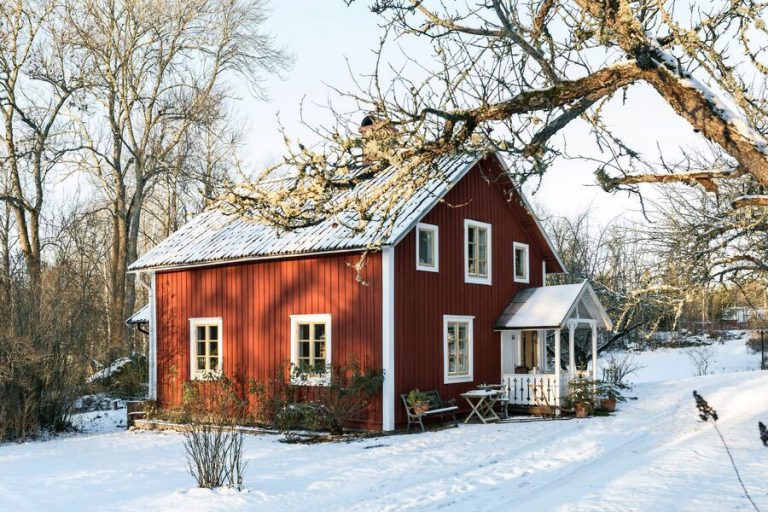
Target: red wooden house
452	298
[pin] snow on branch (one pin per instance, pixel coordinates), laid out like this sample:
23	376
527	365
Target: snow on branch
750	200
703	178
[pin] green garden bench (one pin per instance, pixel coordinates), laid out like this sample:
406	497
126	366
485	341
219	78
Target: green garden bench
438	408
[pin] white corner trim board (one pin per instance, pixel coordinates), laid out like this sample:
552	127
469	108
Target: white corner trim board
152	337
388	337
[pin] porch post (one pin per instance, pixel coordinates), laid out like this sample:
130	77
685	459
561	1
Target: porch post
557	367
571	349
594	350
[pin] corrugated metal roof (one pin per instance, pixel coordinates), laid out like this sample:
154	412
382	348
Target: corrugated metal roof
550	306
216	236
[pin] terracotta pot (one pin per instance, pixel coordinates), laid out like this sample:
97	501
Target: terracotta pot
420	407
541	410
582	409
608	404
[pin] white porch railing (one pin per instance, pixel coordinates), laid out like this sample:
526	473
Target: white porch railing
535	388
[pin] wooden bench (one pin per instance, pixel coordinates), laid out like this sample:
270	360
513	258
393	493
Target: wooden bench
136	410
437	408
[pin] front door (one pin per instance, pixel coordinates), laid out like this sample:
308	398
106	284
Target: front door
508	352
529	349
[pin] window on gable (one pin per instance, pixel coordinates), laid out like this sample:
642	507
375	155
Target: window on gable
521	263
205	348
427	240
311	348
458	348
477	252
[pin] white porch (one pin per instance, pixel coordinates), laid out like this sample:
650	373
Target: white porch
538	332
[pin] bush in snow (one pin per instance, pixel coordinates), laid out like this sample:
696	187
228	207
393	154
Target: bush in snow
215	455
207	400
298	403
213	446
618	367
701	358
346	396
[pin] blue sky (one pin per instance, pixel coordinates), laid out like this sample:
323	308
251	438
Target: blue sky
328	39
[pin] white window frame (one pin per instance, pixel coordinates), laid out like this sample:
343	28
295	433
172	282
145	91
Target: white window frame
478	279
194	323
515	247
435	247
314	380
469	377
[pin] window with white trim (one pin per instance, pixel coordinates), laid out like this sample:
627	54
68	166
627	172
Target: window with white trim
477	252
427	247
521	262
458	334
206	356
311	347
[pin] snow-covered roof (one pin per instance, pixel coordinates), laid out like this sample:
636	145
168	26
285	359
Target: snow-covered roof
551	307
140	317
216	236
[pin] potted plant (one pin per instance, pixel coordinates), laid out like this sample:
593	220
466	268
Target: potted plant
418	401
582	396
610	395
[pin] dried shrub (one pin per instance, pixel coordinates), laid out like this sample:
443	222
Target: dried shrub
215	455
42	352
326	399
618	368
701	358
212	443
207	400
343	397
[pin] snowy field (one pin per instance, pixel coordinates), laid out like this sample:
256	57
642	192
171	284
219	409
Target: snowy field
654	455
674	363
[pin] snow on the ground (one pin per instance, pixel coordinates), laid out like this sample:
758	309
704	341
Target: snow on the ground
674	363
653	455
95	422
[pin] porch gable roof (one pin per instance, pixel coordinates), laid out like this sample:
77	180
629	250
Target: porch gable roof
552	307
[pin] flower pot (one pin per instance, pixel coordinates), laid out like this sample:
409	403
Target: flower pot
608	404
420	407
541	410
582	409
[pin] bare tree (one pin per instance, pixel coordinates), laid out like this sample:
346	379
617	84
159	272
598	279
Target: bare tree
616	260
160	69
508	77
712	241
38	79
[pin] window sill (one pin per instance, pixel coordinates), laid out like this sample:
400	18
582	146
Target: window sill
477	280
522	280
458	379
203	376
427	269
318	380
314	382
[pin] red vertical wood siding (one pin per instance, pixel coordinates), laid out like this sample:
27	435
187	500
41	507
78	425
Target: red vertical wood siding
422	298
255	301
